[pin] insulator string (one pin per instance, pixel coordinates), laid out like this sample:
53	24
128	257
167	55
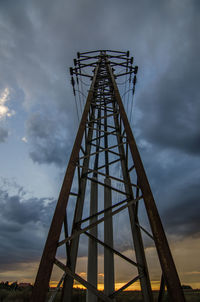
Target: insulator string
82	93
127	103
131	109
80	101
77	114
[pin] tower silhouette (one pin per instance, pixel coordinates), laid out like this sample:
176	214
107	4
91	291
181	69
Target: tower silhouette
105	178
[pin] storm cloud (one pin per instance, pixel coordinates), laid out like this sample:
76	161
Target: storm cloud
38	43
182	219
24	223
49	139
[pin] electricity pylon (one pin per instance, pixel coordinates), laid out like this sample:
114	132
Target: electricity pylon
104	145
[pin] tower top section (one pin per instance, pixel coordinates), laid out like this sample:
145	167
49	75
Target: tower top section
120	62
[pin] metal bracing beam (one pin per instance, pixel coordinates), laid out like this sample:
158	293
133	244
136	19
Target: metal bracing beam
75	276
104	211
131	168
84	58
53	296
73	194
120	64
88	65
102	167
112	249
96	138
110	126
109	276
115	178
103	106
92	271
83	151
116	57
100	151
162	289
66	235
114	153
106	185
101	136
108	133
103	131
81	231
164	253
124	286
145	231
107	116
109	148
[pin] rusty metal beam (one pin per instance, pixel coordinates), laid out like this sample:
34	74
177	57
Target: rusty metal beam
107	186
136	234
125	286
80	231
162	289
104	211
102	150
164	253
46	264
71	261
82	281
112	249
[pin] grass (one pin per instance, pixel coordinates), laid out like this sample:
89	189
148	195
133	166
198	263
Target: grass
23	295
15	295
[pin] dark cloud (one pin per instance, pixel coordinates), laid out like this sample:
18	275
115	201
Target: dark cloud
3	134
50	139
24	223
174	179
182	219
172	97
40	43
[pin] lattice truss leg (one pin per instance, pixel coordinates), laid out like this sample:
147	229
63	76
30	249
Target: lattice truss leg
105	178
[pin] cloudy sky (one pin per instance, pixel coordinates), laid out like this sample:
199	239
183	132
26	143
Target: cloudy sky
39	40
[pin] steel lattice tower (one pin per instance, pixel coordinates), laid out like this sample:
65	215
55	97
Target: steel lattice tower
103	145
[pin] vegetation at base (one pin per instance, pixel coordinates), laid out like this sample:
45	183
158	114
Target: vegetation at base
13	292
